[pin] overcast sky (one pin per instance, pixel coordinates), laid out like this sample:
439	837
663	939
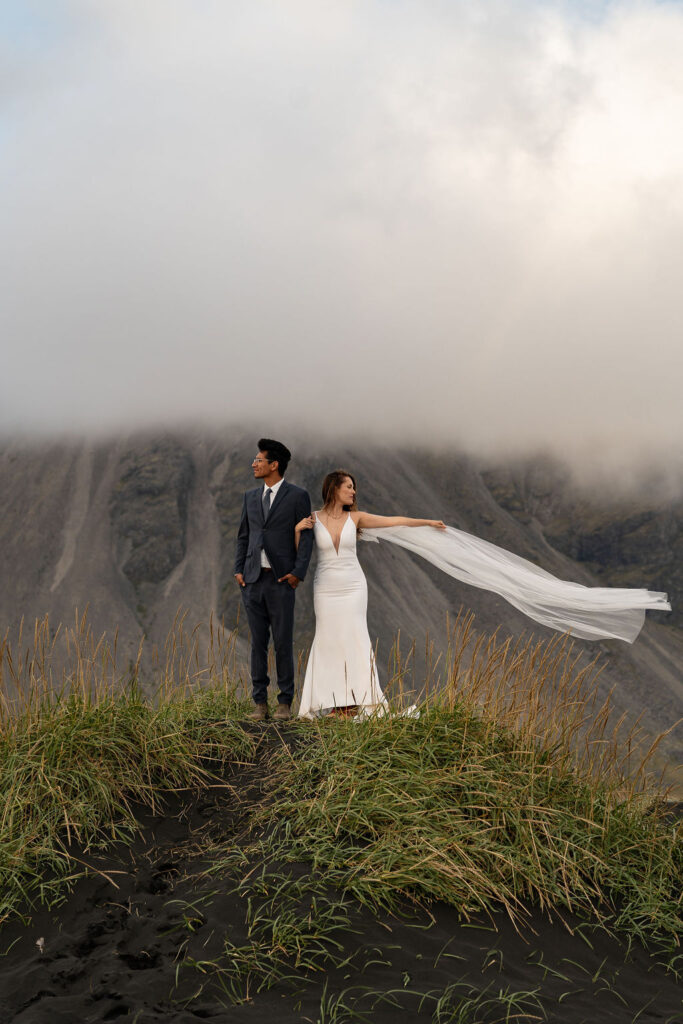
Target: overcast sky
439	221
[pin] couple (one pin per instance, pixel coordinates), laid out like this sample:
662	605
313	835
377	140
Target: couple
274	546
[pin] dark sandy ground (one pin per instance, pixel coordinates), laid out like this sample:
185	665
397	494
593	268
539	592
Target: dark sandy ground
113	951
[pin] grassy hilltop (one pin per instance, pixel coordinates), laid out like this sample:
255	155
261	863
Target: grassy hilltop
312	868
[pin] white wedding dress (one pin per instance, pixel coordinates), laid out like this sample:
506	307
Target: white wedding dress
341	668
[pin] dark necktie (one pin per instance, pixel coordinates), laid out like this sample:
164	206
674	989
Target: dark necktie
266	503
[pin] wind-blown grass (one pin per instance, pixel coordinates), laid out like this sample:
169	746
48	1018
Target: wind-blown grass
75	760
441	807
511	788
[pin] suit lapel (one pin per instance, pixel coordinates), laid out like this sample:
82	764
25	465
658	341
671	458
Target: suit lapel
258	501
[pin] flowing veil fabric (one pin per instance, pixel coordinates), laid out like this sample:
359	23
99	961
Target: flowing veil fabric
592	613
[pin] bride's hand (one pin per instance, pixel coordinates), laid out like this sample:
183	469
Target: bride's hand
437	524
305	524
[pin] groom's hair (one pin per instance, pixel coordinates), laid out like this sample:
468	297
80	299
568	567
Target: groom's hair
275	452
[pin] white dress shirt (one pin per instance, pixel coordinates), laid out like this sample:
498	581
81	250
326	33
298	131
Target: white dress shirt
265	564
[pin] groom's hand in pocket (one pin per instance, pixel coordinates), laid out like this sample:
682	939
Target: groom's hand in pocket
290	578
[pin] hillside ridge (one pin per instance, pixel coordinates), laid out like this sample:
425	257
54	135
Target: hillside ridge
139	527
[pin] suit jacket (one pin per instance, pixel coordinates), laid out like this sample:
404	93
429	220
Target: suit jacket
275	535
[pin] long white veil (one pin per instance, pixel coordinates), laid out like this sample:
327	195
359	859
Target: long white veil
592	613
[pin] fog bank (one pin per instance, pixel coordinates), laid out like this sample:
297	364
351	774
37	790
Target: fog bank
422	223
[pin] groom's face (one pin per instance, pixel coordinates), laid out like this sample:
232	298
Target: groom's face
262	467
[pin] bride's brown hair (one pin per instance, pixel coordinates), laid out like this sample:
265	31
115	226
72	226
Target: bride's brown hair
334	480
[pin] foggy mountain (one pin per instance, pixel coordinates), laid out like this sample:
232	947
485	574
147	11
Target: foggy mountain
137	527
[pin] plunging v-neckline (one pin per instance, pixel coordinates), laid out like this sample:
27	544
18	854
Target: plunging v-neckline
335	546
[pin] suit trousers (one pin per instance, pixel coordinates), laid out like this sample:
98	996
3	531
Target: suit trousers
270	607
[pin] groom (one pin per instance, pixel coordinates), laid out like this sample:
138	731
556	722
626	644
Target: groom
269	568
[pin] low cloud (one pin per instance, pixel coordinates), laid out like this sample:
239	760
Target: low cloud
442	224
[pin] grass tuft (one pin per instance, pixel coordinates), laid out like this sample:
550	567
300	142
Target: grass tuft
511	788
441	807
75	760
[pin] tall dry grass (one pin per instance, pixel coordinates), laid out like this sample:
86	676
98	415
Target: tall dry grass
80	746
514	783
51	663
546	691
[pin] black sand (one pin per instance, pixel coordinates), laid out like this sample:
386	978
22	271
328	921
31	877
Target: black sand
114	949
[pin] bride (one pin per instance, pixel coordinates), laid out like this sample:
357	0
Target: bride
341	675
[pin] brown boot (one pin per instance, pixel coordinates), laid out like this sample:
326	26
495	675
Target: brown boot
282	713
260	713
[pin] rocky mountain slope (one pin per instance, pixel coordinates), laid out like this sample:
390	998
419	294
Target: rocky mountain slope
141	526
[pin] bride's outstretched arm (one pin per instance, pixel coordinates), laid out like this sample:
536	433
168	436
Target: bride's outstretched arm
366	521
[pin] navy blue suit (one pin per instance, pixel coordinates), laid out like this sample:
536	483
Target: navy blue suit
269	605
